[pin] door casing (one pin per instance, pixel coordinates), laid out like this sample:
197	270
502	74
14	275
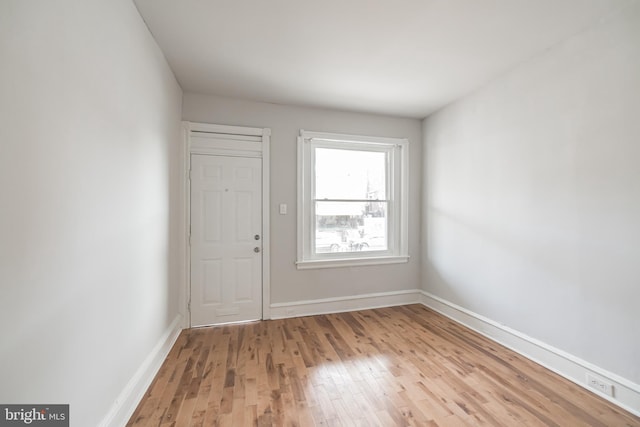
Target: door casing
223	140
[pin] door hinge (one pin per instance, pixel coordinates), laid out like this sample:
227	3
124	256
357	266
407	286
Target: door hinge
189	306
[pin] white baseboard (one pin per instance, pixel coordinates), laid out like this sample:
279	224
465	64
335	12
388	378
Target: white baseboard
342	304
130	396
626	393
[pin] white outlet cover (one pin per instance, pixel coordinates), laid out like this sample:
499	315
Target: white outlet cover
602	386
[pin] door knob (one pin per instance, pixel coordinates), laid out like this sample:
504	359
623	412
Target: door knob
256	249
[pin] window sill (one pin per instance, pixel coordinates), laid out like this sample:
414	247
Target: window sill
350	262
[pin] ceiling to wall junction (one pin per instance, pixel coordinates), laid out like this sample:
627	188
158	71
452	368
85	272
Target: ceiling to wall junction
404	58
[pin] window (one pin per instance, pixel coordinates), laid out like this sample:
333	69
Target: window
352	203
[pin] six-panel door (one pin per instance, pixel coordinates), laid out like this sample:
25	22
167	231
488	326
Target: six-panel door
226	239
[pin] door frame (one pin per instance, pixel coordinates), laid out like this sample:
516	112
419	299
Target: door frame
229	141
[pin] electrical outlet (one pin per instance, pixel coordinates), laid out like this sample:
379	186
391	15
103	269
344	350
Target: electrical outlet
600	385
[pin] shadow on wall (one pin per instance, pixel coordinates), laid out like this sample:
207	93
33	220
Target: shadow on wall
493	270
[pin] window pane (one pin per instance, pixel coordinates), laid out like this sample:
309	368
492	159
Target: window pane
351	226
350	174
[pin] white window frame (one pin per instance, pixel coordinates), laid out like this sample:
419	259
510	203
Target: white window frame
397	214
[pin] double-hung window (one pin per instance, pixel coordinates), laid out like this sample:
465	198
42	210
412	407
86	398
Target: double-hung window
352	200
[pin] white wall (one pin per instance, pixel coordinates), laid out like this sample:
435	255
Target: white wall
89	119
532	209
287	283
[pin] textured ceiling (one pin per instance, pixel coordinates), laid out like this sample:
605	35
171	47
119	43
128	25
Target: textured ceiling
403	57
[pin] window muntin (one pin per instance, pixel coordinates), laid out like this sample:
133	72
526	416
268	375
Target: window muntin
351	206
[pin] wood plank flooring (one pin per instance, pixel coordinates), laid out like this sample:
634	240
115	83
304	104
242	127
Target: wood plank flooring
398	366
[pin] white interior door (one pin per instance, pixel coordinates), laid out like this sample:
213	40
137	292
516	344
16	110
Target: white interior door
226	239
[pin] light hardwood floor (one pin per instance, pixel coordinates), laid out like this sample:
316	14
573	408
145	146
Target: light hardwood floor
399	366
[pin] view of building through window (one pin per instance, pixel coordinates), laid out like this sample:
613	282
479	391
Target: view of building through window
351	201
